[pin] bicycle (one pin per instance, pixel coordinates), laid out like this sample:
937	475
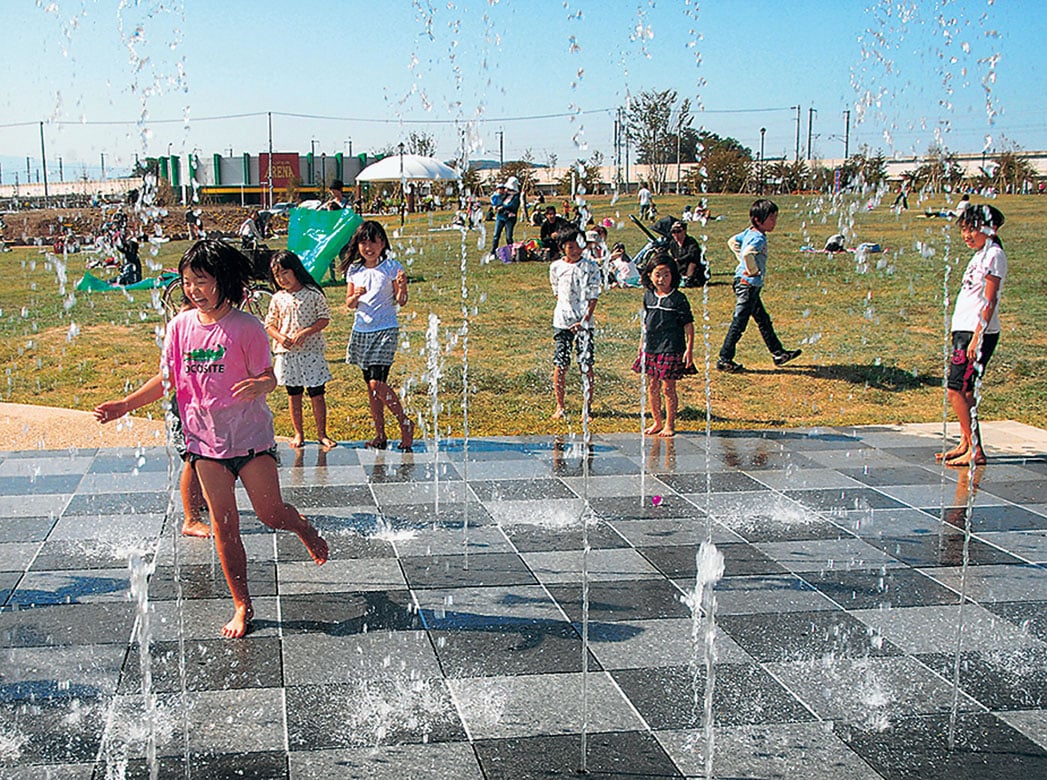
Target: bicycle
256	299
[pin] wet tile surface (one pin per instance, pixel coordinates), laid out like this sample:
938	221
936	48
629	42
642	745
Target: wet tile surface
444	638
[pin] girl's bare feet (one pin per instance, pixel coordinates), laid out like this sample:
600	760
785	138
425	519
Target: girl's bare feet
963	460
240	624
560	413
297	442
197	528
955	452
654	428
667	433
327	443
377	443
314	543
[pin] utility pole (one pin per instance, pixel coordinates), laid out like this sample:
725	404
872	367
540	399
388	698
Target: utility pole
763	131
102	155
797	109
501	151
846	134
811	111
270	116
43	158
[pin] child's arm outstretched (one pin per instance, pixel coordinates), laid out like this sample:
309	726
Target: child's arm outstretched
688	353
152	390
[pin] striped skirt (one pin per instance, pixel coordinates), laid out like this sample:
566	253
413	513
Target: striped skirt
377	348
668	365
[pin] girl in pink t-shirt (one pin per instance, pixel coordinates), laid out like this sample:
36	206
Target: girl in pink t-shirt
217	359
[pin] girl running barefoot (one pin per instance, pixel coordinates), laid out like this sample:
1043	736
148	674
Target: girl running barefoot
217	359
297	316
375	285
665	354
975	327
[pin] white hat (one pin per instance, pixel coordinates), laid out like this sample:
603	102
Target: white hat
512	184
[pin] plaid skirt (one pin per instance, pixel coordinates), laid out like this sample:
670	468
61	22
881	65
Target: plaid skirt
377	348
668	365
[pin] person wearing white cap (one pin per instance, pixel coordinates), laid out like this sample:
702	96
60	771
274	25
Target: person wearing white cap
506	203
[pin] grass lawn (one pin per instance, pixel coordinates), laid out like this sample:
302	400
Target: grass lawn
873	338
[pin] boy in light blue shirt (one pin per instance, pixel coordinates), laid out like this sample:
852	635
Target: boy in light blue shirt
750	247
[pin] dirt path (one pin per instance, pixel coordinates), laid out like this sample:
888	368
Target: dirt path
24	427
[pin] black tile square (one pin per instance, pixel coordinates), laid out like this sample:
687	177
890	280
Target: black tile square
220	664
308	497
452	514
344	715
1012	678
458	571
60	625
341	614
879	588
521	489
941	549
622	601
884	476
766	528
127	461
679	561
508	646
622	754
843	499
52	736
744	695
994	517
1030	616
803	636
532	538
657	506
202	581
917	748
117	504
271	765
1029	491
25	529
717	482
355	537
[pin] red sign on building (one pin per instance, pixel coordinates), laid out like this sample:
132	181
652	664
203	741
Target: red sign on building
285	169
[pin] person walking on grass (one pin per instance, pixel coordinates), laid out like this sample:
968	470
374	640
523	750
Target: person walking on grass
750	247
297	315
375	284
576	285
668	342
975	327
217	359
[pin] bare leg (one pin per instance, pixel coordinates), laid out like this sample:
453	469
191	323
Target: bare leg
192	502
219	488
966	450
559	390
295	404
377	409
386	397
654	401
319	403
262	482
672	403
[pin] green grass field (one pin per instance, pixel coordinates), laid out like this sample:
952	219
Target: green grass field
873	338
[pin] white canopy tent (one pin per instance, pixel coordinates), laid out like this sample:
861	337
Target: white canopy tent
411	167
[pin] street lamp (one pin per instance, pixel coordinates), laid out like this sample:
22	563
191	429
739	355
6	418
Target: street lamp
403	189
312	163
763	132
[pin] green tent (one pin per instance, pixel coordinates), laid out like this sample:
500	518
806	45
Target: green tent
318	236
90	282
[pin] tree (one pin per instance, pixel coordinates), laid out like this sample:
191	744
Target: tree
788	176
939	172
522	170
583	176
724	165
420	143
653	122
1011	171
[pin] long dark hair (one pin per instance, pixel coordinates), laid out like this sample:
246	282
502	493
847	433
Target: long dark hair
289	261
230	269
350	254
660	257
983	217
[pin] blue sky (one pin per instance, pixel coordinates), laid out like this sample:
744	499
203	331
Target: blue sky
541	76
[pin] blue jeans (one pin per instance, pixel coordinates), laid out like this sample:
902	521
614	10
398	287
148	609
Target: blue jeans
748	304
508	225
